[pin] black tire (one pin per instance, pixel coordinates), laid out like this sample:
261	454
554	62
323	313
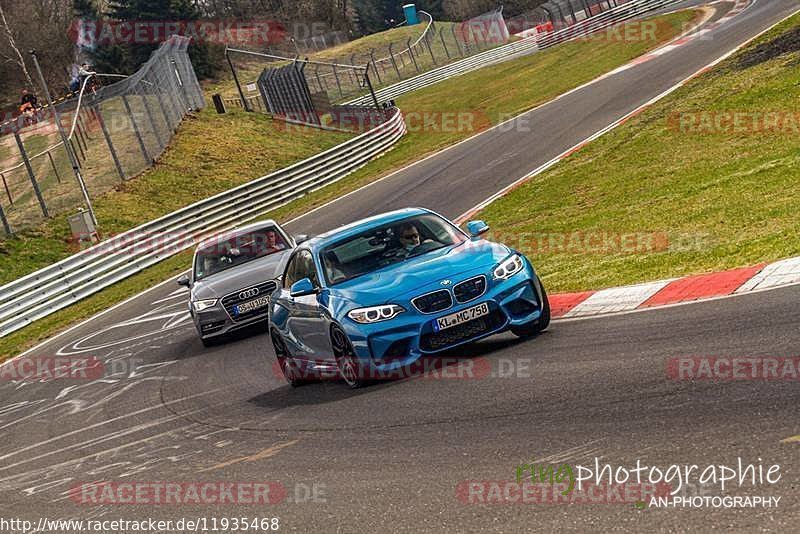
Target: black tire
207	343
350	368
540	325
288	366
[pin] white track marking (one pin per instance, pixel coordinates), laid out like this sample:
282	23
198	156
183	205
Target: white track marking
106	422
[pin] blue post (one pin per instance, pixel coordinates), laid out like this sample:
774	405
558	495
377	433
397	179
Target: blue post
410	11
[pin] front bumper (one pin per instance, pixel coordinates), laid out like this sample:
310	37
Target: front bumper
401	341
215	322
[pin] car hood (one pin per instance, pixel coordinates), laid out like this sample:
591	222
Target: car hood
248	274
423	273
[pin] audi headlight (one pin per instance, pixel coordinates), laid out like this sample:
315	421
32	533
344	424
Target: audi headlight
375	314
200	305
508	268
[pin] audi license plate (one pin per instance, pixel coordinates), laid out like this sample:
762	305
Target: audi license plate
249	306
449	321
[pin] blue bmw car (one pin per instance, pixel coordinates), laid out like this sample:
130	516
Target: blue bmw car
376	295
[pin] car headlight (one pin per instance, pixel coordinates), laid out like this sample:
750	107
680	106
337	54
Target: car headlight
508	268
375	314
200	305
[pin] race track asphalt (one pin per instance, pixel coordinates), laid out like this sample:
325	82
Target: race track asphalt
393	455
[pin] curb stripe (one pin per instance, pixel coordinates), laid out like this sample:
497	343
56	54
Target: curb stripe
617	299
702	286
562	303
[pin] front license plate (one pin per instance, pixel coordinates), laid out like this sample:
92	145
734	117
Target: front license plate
449	321
251	305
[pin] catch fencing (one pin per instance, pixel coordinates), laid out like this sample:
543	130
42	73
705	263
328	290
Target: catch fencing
116	132
341	77
50	289
516	49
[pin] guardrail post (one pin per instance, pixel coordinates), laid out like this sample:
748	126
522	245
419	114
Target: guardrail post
147	159
110	144
6	226
35	184
8	191
53	164
411	53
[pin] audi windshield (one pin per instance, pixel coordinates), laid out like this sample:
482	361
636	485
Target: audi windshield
237	250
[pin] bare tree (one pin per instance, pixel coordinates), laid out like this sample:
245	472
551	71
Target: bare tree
13	43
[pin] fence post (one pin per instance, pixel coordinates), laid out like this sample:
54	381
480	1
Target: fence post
352	72
430	50
236	79
110	144
147	159
147	110
53	164
82	154
411	53
338	85
455	38
27	162
6	226
8	191
394	63
81	137
446	51
374	66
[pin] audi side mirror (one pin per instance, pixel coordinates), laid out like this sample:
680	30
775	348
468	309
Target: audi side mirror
476	228
302	287
300	238
183	281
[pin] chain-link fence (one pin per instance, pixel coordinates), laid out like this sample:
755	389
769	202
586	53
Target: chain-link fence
557	14
116	132
341	78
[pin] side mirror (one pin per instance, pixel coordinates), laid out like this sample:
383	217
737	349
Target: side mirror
300	238
476	228
183	281
302	287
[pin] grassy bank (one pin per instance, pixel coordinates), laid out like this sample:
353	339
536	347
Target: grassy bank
705	180
210	153
222	156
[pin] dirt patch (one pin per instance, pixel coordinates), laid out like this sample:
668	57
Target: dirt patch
786	43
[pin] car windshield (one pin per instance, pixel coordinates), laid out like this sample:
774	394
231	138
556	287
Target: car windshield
386	245
230	252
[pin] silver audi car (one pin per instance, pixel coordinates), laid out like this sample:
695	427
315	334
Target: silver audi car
233	276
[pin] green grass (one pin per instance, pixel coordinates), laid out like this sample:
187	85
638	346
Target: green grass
217	155
722	199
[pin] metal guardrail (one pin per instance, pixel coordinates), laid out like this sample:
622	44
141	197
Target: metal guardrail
50	289
528	45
